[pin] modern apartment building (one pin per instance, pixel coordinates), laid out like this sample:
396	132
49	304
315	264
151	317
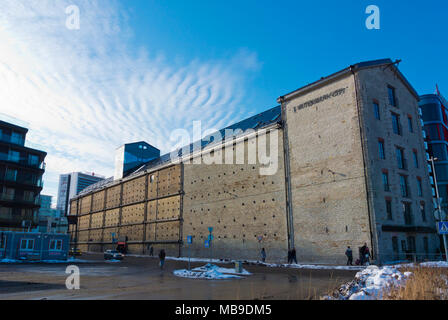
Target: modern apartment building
21	170
349	166
70	185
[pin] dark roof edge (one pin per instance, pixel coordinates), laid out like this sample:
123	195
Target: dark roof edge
36	150
139	173
12	125
356	67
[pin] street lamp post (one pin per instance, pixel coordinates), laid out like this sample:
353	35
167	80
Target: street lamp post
432	159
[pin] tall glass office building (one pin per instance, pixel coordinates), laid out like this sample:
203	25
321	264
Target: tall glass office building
72	184
435	120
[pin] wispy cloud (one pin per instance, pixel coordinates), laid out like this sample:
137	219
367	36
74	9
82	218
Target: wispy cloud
85	92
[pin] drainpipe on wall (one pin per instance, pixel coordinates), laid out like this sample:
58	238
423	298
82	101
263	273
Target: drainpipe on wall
289	211
373	241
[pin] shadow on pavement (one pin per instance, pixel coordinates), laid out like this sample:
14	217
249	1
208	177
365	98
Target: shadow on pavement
25	286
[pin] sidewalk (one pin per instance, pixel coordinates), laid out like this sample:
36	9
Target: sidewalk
259	263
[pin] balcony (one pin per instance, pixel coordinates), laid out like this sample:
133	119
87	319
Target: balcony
17	198
12	139
15	220
30	181
23	161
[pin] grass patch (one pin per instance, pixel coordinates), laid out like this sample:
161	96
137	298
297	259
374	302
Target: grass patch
426	283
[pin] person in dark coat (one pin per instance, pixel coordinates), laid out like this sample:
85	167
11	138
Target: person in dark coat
151	251
362	254
162	256
349	254
289	256
263	255
293	255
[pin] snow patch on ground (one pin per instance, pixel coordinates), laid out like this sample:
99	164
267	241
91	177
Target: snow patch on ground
311	266
199	259
211	272
435	264
259	263
70	260
112	260
371	284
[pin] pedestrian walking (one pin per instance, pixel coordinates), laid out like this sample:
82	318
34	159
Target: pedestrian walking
367	256
362	254
289	256
293	255
349	254
151	251
263	255
162	258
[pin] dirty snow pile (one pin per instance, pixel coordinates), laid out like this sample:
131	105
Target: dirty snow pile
371	283
210	271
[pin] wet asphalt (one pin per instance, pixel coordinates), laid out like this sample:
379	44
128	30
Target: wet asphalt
141	278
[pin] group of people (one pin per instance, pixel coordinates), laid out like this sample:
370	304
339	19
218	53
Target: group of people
364	255
292	256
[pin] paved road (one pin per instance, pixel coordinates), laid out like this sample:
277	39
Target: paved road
141	278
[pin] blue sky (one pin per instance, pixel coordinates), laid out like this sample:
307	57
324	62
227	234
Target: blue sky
297	42
137	70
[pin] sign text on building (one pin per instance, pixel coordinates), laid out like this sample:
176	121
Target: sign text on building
327	96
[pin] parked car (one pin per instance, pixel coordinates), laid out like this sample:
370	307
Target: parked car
113	255
74	252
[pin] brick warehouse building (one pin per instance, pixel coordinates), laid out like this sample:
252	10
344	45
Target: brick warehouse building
343	178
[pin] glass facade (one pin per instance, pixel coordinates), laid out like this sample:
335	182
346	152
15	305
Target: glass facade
11	136
435	121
